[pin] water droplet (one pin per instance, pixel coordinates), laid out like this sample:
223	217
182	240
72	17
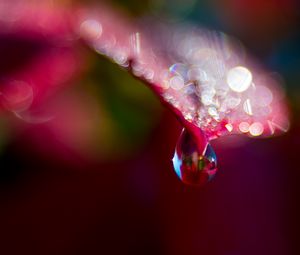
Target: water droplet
177	82
179	70
91	29
192	164
239	79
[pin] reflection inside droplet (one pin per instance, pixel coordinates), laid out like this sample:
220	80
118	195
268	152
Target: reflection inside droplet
194	165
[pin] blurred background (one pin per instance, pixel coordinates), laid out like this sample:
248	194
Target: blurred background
85	149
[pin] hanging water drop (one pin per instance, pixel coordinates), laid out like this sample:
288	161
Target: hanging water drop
194	162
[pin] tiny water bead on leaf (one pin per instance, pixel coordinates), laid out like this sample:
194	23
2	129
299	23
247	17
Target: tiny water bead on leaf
194	163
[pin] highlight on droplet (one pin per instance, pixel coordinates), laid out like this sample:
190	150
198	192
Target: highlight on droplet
256	129
239	78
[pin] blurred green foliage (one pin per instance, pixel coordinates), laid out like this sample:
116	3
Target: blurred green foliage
129	109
